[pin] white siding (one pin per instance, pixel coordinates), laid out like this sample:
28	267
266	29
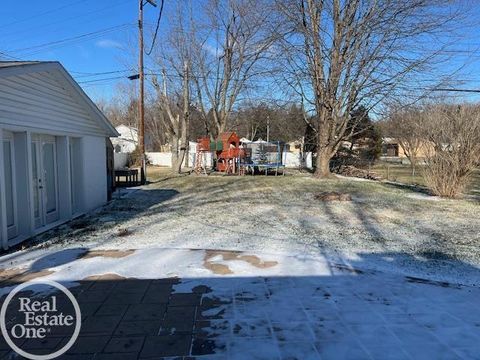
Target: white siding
37	100
94	172
43	102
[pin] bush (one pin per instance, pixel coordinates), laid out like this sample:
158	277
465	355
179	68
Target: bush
135	158
454	132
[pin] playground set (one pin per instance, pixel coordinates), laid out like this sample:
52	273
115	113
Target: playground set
238	158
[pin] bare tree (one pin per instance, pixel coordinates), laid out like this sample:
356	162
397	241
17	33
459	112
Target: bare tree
230	43
406	126
454	131
121	109
174	113
173	94
285	123
155	128
343	54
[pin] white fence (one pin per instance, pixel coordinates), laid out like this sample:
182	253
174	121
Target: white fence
289	159
297	160
159	158
165	159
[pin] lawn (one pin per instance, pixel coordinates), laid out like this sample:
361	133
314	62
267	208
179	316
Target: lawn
403	174
258	267
384	226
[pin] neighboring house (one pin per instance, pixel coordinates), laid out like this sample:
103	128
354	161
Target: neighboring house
127	140
393	151
295	146
53	156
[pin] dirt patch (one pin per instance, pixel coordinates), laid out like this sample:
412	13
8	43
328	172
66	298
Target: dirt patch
218	269
124	232
116	254
332	196
222	269
104	277
18	275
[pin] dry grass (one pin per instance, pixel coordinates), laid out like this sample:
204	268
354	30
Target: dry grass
281	214
403	174
264	211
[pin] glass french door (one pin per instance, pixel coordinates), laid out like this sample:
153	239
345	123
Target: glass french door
10	191
44	180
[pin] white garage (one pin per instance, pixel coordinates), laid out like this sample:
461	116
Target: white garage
53	158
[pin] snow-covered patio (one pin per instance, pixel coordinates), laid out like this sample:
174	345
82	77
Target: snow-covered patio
256	268
157	302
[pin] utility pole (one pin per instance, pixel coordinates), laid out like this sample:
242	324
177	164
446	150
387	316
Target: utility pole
141	100
268	128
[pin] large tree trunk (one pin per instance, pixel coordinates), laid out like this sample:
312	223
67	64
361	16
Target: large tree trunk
176	163
323	163
221	128
177	160
179	150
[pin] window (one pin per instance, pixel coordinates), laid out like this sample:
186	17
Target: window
390	149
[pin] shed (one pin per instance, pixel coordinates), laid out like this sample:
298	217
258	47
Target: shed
53	158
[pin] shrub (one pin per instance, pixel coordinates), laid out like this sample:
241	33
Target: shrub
454	132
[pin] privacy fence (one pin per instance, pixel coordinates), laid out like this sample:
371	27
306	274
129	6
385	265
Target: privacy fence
289	159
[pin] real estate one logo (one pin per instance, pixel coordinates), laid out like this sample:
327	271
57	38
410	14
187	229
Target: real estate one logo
28	320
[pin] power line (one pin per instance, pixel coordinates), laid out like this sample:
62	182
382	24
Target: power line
69	41
458	90
42	14
9	56
36	28
170	76
85	74
263	81
251	81
156	30
97	80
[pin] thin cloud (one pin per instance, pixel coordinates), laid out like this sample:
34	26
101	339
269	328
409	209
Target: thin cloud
108	44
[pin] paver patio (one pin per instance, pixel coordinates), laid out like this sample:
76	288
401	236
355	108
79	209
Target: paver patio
336	312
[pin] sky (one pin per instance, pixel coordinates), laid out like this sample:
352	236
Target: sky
100	36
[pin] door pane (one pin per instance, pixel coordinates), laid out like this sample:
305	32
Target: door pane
49	169
7	160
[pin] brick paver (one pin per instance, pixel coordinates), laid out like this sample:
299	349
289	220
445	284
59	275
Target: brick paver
366	316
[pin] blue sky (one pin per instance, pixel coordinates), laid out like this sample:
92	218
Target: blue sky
105	39
24	25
